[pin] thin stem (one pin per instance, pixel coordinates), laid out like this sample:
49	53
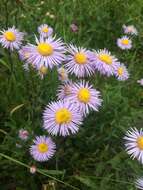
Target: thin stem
38	171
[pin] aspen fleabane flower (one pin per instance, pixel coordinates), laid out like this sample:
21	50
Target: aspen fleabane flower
104	62
43	148
134	143
79	61
62	118
11	38
48	52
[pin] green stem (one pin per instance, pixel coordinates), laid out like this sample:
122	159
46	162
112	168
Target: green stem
38	171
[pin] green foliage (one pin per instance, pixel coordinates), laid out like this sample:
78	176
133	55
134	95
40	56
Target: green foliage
95	157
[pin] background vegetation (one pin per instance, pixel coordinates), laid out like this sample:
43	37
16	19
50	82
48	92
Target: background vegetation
95	157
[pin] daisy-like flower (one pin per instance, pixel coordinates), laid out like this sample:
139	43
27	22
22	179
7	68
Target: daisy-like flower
23	134
45	30
139	183
62	118
43	148
124	42
104	62
24	53
63	75
64	90
42	71
134	143
86	97
130	30
140	82
48	52
79	61
11	38
121	72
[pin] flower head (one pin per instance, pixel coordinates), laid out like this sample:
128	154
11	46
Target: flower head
33	169
140	82
11	38
124	43
130	30
45	30
86	97
121	72
74	27
62	118
48	52
139	183
79	61
23	134
64	90
134	143
63	75
42	149
104	62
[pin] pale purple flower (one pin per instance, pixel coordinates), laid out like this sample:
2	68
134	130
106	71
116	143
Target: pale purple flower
139	183
64	90
130	30
45	30
23	134
140	82
11	38
74	27
124	42
48	52
86	97
24	53
79	61
62	118
63	74
134	143
104	62
43	148
121	72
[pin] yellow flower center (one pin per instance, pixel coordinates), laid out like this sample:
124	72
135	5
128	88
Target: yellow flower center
84	95
125	42
106	58
42	147
63	115
120	71
43	70
45	29
80	58
10	36
140	142
45	49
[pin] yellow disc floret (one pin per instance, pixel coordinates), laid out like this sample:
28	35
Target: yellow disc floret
125	41
45	49
120	71
80	58
45	29
140	142
63	115
84	95
10	36
106	58
42	147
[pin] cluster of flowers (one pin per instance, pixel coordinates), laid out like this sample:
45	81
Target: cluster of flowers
75	99
125	42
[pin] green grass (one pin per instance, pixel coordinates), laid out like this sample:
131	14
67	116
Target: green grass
94	159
